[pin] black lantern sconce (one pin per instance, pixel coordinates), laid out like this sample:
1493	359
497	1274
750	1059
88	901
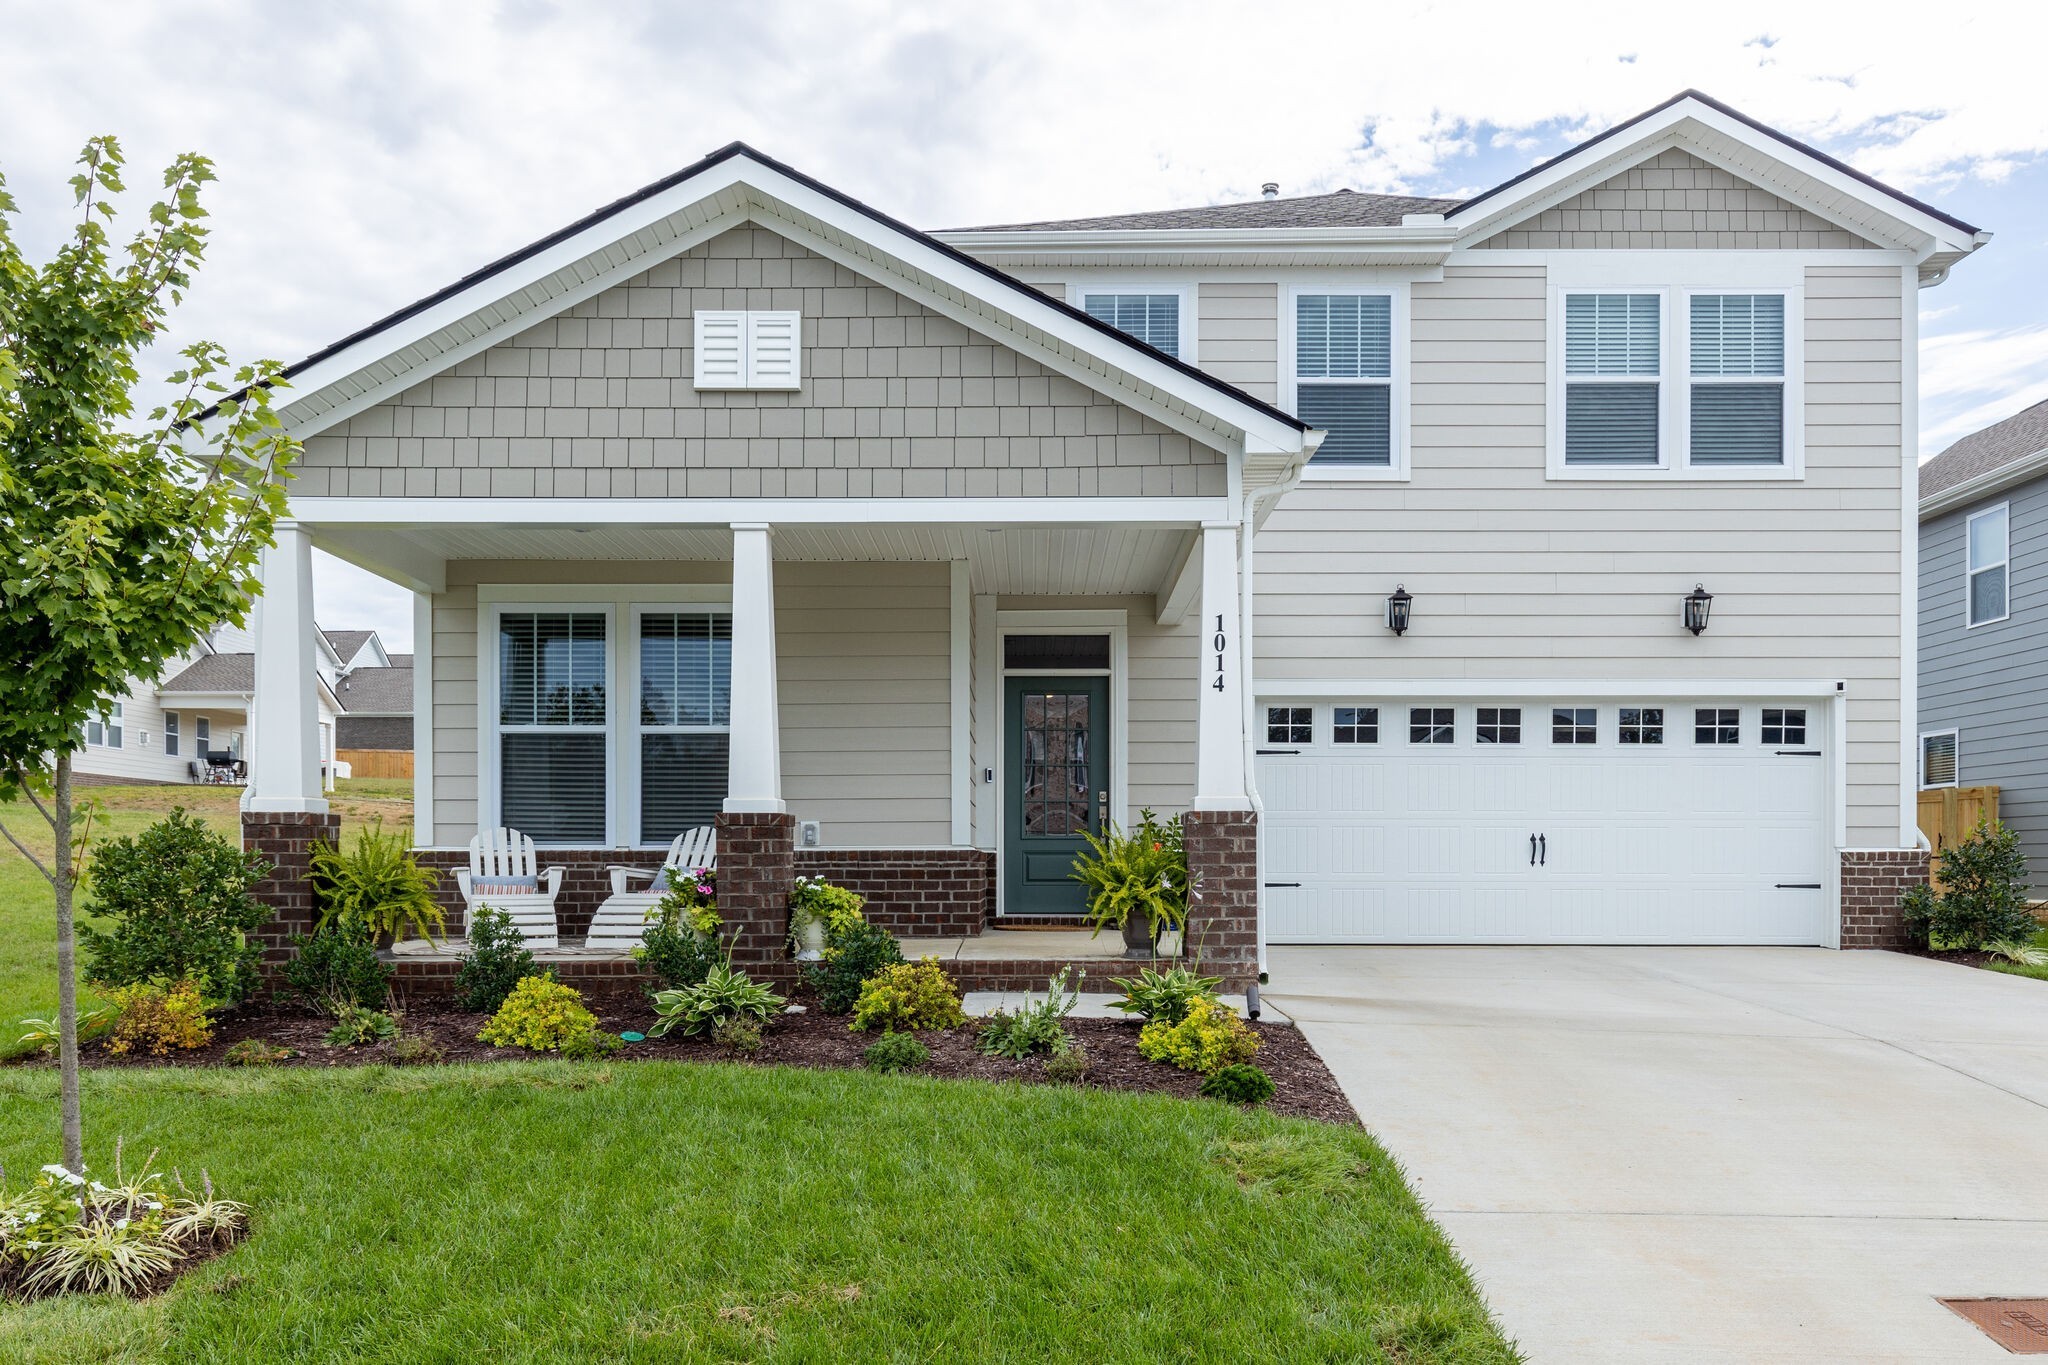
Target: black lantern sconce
1698	603
1398	608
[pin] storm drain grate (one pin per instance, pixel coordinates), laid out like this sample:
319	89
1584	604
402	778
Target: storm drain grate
2019	1325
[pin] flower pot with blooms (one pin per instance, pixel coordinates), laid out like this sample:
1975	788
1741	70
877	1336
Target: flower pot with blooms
691	901
819	911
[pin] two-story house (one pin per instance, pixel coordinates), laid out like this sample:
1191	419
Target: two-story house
1526	568
1984	622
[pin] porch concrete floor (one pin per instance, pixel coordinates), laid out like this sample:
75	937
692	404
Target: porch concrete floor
1022	945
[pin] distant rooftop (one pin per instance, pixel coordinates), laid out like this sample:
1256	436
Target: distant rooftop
1344	208
2018	436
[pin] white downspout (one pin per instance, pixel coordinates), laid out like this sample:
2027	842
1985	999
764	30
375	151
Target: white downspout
1255	502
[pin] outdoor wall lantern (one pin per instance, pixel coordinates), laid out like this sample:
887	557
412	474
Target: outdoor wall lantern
1698	603
1398	607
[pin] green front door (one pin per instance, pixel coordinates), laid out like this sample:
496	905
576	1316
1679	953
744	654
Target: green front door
1056	776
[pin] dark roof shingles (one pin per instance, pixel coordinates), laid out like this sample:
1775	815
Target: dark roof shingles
235	673
2018	436
1344	208
376	692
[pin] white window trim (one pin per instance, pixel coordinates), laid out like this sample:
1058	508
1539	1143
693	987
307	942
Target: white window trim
1398	471
618	603
631	727
173	735
1970	574
1955	737
1674	409
1188	294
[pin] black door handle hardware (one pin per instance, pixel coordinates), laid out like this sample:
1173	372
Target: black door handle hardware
1270	885
1799	886
1532	850
1279	751
1545	841
1798	753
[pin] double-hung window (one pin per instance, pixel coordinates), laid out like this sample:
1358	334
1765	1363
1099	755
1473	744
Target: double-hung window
553	714
1737	359
1344	376
1153	318
170	734
1613	380
1989	533
105	731
685	719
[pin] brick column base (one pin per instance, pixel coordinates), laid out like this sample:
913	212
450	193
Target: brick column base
1222	938
286	840
1872	882
756	873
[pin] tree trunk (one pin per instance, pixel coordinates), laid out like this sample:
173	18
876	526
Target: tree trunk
67	975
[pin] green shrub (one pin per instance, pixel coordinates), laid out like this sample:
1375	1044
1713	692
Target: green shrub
414	1049
1208	1039
852	955
541	1015
338	965
676	956
817	901
593	1046
1035	1028
895	1052
1069	1067
725	993
159	1019
175	905
909	995
1984	892
1164	995
1239	1083
1917	909
498	959
355	1026
256	1052
376	884
741	1037
1142	873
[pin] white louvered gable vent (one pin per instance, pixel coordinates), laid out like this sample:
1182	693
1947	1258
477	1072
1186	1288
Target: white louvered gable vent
742	349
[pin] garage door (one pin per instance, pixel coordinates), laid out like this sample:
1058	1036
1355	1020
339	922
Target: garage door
1545	821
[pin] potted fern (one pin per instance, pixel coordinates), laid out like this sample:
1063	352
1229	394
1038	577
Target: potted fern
376	885
1136	882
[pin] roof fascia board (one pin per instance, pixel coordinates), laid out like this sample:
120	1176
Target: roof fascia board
175	700
1362	239
2009	475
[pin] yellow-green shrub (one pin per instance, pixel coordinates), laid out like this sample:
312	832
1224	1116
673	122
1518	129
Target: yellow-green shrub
1210	1038
541	1015
159	1019
907	996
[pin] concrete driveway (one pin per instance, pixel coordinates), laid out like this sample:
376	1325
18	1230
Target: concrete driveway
1705	1154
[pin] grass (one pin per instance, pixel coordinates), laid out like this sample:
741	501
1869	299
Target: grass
28	949
666	1212
2014	969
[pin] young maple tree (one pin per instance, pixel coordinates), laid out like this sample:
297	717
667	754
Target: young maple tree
122	540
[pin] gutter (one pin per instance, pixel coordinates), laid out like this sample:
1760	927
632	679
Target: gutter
2008	475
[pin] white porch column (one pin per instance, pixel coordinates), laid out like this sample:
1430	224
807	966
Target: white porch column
1219	740
754	774
284	718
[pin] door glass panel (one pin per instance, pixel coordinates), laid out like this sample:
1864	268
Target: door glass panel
1057	780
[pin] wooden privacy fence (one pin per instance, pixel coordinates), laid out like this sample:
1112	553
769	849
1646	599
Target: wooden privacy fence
1947	815
376	762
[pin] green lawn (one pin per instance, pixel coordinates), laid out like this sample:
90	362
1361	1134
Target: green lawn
28	948
674	1212
2014	969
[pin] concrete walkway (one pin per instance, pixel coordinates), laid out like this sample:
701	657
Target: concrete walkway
1705	1154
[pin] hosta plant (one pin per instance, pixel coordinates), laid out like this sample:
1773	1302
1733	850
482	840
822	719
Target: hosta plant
1163	995
355	1026
724	994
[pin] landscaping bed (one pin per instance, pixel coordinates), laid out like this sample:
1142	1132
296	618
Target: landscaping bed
1303	1086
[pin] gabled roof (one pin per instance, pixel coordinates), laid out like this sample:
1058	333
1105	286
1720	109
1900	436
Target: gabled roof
376	691
230	673
2002	454
347	643
1344	208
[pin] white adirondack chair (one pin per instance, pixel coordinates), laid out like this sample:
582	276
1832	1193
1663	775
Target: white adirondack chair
621	920
497	854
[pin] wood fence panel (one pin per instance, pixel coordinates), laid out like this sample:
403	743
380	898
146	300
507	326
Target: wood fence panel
1947	815
376	762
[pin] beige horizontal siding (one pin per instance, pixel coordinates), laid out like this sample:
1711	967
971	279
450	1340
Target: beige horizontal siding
1237	335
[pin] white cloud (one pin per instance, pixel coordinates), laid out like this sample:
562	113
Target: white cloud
1970	379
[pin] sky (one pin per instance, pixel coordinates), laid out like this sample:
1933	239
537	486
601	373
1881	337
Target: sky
370	153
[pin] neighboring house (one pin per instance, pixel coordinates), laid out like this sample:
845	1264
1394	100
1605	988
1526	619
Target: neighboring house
739	501
1984	622
379	707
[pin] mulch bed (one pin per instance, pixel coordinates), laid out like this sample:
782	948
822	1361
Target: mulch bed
1303	1086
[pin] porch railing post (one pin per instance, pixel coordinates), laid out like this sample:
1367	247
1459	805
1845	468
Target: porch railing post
754	781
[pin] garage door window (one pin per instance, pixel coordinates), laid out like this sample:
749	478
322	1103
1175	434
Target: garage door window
1717	725
1432	725
1642	725
1784	726
1500	725
1290	725
1574	725
1357	725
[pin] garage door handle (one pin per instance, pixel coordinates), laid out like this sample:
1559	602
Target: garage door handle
1544	839
1289	886
1799	886
1532	850
1798	753
1279	751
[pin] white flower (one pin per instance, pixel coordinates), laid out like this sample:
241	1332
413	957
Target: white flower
120	1222
67	1177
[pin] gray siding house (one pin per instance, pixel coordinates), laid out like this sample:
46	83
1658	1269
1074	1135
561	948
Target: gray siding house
1527	568
1984	622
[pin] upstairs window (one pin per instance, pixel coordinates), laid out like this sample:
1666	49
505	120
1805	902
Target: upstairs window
1989	535
1152	318
748	349
1738	379
1344	375
1613	379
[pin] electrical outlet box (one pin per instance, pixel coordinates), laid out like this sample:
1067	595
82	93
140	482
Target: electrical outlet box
809	834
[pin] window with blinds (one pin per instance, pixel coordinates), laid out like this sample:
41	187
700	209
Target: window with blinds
1613	378
1343	375
1989	551
1152	318
552	707
1737	396
685	720
1938	759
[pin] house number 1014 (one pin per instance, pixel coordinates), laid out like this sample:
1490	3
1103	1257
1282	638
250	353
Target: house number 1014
1220	643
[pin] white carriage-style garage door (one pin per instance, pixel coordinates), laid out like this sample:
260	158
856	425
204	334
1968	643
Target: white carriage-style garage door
1545	821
